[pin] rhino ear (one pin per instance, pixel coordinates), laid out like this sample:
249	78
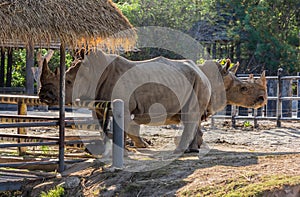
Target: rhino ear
262	78
234	68
226	67
45	71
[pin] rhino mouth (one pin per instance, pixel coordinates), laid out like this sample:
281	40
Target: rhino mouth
48	98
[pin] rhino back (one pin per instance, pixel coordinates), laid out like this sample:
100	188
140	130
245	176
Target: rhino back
153	89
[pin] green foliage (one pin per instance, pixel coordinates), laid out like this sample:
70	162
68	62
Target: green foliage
55	60
19	65
175	14
57	192
265	34
268	30
18	68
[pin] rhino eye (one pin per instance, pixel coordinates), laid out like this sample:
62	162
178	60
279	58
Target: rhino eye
69	82
244	89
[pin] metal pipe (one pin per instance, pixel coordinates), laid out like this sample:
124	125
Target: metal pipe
28	136
29	124
62	77
28	163
28	144
29	117
118	134
279	94
46	143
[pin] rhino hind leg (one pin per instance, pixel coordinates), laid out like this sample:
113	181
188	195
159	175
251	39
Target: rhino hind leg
196	143
187	137
134	133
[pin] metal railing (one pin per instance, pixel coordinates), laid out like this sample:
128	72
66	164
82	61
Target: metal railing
279	98
117	111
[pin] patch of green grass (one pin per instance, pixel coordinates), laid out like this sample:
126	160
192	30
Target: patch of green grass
57	192
245	185
247	124
45	149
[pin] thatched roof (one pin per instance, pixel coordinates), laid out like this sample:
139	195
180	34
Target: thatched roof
74	22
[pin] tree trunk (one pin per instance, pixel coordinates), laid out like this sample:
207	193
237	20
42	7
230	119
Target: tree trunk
9	67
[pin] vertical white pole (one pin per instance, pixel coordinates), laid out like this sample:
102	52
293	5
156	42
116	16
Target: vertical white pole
118	134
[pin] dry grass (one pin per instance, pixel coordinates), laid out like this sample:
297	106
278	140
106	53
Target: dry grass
75	22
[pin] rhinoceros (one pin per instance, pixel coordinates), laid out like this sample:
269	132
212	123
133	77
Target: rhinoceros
158	91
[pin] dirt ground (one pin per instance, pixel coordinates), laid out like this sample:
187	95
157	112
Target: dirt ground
232	162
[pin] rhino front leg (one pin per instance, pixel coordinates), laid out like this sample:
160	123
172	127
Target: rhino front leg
134	133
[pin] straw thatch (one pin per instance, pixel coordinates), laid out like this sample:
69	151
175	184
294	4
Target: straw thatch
74	22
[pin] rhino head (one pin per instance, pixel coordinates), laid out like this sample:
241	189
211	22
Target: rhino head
250	93
49	90
228	89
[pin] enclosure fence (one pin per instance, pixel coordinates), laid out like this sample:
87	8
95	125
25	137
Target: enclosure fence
283	103
22	120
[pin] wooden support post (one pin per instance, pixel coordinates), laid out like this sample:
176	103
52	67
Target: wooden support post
62	108
279	95
118	133
22	110
2	67
29	66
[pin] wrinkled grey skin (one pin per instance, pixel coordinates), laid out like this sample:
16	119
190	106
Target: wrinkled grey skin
188	94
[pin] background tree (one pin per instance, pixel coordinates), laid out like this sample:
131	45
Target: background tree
260	34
